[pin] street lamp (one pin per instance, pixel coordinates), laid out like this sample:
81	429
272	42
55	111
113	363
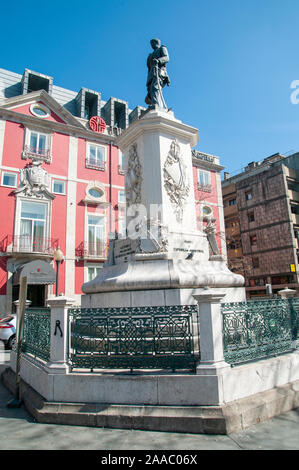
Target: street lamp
58	256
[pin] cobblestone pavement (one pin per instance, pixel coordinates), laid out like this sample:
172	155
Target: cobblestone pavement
19	431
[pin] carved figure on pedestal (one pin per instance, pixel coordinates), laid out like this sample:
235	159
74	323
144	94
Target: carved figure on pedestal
133	177
210	230
175	179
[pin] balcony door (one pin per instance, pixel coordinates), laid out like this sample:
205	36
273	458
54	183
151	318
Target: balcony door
96	236
38	143
33	226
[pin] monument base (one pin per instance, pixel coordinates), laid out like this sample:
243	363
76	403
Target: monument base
219	404
154	297
160	282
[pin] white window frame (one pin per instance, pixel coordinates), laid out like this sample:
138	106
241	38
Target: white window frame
86	239
41	106
121	162
93	266
205	173
210	211
27	153
202	186
48	205
57	180
118	197
10	173
95	166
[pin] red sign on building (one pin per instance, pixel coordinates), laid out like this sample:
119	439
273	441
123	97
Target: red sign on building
97	124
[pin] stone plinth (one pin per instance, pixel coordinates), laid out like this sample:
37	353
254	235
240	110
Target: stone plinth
163	249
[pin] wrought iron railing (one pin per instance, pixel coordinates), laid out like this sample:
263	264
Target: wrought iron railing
36	333
204	187
132	338
28	244
95	164
294	307
96	250
259	329
33	151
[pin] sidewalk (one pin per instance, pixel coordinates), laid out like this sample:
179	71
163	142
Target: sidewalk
19	431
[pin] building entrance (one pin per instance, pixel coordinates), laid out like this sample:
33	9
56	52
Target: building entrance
36	293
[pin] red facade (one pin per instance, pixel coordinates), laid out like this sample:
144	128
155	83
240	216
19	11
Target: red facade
59	179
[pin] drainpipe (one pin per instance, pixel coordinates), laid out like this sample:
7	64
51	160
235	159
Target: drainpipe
110	186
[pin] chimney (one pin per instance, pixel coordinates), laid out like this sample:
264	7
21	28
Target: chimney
226	175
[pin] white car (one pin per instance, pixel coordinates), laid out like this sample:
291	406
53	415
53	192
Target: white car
8	326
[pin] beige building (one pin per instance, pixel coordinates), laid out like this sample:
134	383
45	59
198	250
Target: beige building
261	213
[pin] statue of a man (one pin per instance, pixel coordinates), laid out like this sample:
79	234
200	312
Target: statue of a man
157	76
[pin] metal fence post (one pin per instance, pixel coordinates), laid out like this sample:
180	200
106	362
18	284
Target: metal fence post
211	334
59	334
289	295
17	401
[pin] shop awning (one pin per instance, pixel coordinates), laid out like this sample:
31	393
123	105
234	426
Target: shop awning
37	272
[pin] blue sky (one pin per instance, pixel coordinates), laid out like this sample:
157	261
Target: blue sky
231	66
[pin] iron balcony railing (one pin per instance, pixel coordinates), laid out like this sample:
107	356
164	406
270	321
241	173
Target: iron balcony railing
95	164
42	153
204	187
96	250
28	244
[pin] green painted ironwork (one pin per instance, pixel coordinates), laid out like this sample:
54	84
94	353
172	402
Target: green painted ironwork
132	338
36	333
294	306
257	329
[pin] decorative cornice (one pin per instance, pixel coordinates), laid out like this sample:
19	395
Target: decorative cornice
42	95
207	165
157	122
52	126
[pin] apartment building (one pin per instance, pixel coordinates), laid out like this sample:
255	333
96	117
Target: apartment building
261	213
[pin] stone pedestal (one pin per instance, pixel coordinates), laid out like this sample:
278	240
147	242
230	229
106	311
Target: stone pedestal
211	336
59	339
163	249
287	293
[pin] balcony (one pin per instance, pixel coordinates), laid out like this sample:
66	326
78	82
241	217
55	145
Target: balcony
293	195
20	245
95	251
95	164
232	232
207	188
43	154
295	219
230	210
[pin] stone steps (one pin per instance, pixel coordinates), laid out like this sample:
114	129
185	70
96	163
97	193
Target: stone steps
225	419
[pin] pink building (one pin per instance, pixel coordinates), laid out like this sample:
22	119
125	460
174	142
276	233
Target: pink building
62	184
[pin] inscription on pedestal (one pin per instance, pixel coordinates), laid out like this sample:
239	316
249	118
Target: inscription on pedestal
124	250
